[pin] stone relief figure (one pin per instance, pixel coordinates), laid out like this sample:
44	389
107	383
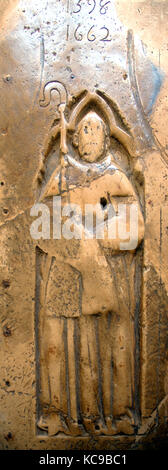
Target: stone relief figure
88	287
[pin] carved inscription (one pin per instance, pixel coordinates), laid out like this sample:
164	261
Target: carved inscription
102	6
91	34
95	32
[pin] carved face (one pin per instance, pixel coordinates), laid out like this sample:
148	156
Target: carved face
91	137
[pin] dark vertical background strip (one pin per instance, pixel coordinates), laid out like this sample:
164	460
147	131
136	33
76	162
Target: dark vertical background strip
138	287
36	324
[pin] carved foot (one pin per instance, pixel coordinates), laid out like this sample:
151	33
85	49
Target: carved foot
111	429
53	423
125	424
74	428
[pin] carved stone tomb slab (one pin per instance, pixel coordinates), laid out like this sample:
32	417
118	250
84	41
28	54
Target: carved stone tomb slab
83	226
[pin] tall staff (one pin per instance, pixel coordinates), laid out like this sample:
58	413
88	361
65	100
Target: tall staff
63	100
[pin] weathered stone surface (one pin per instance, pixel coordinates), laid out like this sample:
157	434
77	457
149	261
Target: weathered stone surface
84	324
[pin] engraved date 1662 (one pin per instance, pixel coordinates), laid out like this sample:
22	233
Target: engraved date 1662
104	34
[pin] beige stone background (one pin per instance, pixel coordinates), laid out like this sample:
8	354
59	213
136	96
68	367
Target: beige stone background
149	20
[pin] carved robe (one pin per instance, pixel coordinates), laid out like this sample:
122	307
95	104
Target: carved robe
88	298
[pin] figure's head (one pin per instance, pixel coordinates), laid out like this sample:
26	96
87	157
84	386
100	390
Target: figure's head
91	137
